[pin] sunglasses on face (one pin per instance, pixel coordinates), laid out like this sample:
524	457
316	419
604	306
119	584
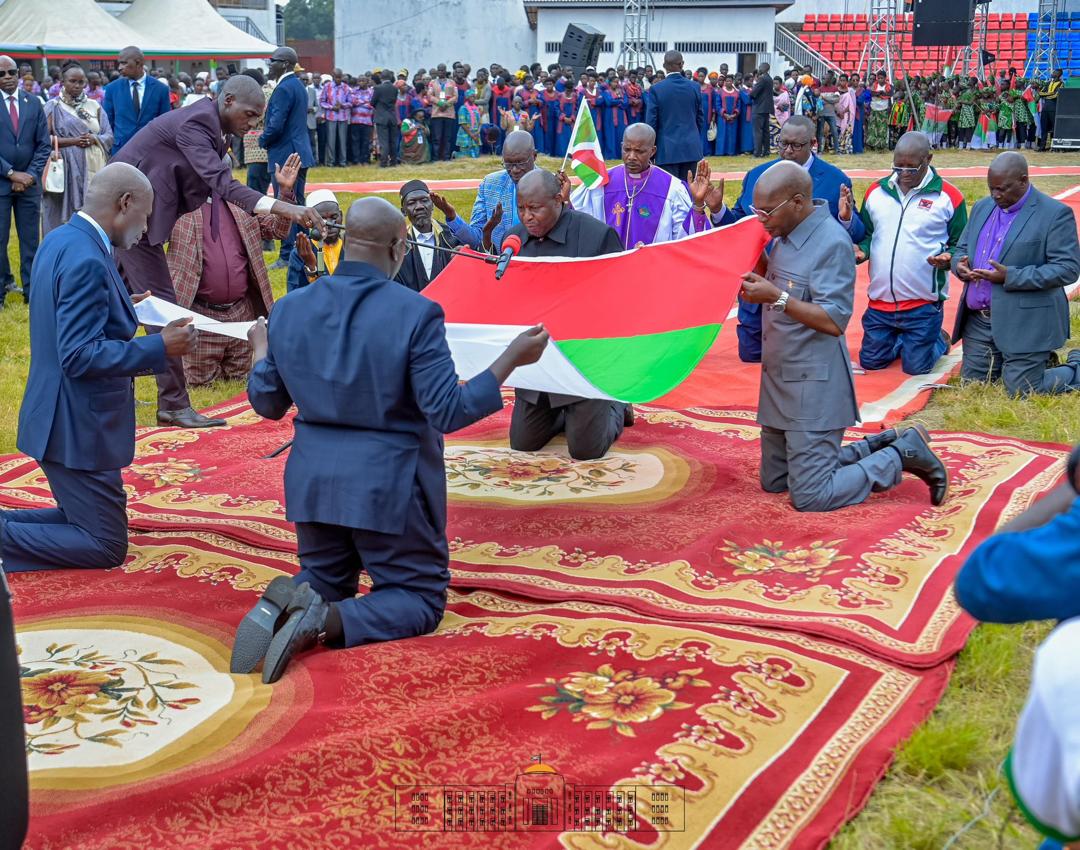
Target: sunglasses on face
10	72
765	215
906	172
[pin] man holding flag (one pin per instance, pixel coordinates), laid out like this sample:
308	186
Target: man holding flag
643	203
549	229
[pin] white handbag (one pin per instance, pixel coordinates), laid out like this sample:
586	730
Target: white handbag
54	171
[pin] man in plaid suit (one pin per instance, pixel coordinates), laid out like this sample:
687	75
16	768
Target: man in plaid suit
226	279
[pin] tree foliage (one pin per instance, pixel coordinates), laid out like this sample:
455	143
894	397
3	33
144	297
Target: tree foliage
309	19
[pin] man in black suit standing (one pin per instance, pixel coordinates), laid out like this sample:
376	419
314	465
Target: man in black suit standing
384	102
550	229
24	150
424	262
762	96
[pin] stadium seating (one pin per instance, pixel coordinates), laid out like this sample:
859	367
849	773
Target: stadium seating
841	39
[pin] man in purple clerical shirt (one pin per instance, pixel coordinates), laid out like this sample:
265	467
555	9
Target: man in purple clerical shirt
643	203
1016	256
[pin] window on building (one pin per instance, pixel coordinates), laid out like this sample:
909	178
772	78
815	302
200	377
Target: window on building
553	46
721	46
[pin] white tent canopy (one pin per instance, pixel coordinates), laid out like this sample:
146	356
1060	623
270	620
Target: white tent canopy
66	28
190	27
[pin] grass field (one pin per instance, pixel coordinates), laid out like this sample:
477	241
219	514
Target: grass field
945	784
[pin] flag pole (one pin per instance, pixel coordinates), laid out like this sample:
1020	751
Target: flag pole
573	132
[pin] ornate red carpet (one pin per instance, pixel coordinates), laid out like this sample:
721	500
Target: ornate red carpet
138	736
672	524
644	621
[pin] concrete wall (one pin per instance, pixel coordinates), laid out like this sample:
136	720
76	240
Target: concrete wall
422	33
802	8
668	25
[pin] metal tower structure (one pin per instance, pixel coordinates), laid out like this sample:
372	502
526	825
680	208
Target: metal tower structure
880	51
1044	57
970	59
634	52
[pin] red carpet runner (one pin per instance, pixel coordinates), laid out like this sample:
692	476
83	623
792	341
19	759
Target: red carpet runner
139	738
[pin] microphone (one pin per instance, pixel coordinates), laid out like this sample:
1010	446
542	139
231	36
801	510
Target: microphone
511	245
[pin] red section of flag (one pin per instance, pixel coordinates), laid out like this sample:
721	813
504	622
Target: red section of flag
653	289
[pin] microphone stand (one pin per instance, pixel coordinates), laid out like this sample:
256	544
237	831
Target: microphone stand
489	259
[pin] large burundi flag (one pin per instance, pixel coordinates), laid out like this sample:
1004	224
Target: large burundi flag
630	326
586	157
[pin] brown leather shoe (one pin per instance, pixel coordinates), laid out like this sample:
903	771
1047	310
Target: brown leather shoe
628	417
188	417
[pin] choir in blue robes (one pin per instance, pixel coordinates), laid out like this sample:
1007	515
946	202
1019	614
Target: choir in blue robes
563	113
708	105
615	106
746	122
727	132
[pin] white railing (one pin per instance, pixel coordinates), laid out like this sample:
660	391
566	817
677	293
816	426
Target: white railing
802	54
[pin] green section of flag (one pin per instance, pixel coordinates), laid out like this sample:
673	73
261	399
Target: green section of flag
586	175
585	130
640	368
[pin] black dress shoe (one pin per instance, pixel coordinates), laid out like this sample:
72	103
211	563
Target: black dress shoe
918	458
257	629
307	618
187	418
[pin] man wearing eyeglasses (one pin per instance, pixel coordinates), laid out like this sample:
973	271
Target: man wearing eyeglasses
913	221
830	184
807	394
24	150
494	212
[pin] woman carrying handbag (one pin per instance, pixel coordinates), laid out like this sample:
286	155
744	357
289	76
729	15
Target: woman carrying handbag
82	139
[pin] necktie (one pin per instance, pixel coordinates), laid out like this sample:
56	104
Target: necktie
135	98
14	113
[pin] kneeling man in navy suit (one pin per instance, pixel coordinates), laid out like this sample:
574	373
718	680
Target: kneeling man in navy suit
366	362
78	412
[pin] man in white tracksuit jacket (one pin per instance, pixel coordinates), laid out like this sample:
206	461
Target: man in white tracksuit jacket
913	221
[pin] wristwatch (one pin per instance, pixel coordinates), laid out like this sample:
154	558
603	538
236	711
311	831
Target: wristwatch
780	304
10	171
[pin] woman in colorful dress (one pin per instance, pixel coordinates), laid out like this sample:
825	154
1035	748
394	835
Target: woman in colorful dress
81	129
414	139
845	114
1005	120
965	123
877	122
470	119
781	113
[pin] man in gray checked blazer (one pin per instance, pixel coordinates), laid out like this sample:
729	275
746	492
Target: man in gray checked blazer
807	390
1016	256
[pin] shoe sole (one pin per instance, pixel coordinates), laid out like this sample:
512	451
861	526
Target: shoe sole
276	660
256	630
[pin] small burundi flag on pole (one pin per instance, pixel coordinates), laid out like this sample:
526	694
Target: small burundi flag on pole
586	158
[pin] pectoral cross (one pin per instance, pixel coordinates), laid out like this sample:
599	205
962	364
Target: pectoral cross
619	211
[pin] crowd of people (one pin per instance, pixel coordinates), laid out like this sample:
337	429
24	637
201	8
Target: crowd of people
448	112
144	169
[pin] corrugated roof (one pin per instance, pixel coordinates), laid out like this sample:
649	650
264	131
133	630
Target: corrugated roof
778	5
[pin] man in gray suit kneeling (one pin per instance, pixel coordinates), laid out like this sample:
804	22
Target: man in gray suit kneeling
807	390
1016	256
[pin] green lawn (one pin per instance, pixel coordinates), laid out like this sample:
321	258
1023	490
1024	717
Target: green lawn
946	775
